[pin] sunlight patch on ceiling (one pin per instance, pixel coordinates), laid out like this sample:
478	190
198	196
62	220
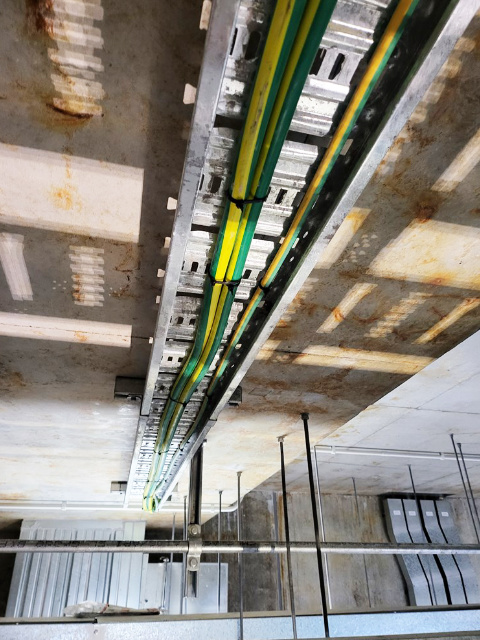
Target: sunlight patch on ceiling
14	266
343	358
70	194
397	314
18	325
342	238
71	24
88	276
460	310
432	252
349	302
462	165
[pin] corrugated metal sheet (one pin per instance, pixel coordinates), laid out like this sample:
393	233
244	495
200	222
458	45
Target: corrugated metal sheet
44	584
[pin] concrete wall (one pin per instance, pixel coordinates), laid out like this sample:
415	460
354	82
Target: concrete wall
356	582
348	581
260	572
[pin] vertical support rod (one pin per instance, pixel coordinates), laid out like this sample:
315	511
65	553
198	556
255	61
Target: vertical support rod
287	540
467	476
322	525
168	571
173	536
195	488
316	528
240	558
219	560
357	507
184	560
279	566
195	511
464	487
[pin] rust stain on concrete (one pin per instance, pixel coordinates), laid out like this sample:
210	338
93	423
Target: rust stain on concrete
39	15
12	379
14	496
63	197
66	196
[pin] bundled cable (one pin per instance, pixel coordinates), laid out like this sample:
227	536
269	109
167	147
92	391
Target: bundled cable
220	287
374	69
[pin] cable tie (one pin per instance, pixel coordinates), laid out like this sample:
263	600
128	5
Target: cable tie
240	203
231	284
264	288
177	401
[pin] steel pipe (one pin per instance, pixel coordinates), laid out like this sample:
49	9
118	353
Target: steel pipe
392	453
228	547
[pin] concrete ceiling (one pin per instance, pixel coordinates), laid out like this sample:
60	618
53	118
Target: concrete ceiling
85	204
419	415
84	216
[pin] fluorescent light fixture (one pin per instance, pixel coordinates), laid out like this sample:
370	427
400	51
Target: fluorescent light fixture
349	302
14	266
397	314
452	317
462	165
343	358
432	252
18	325
342	238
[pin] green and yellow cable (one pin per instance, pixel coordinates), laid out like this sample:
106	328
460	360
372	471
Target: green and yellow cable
312	28
279	41
314	22
375	67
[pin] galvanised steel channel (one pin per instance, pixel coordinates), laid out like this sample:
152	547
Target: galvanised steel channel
438	38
